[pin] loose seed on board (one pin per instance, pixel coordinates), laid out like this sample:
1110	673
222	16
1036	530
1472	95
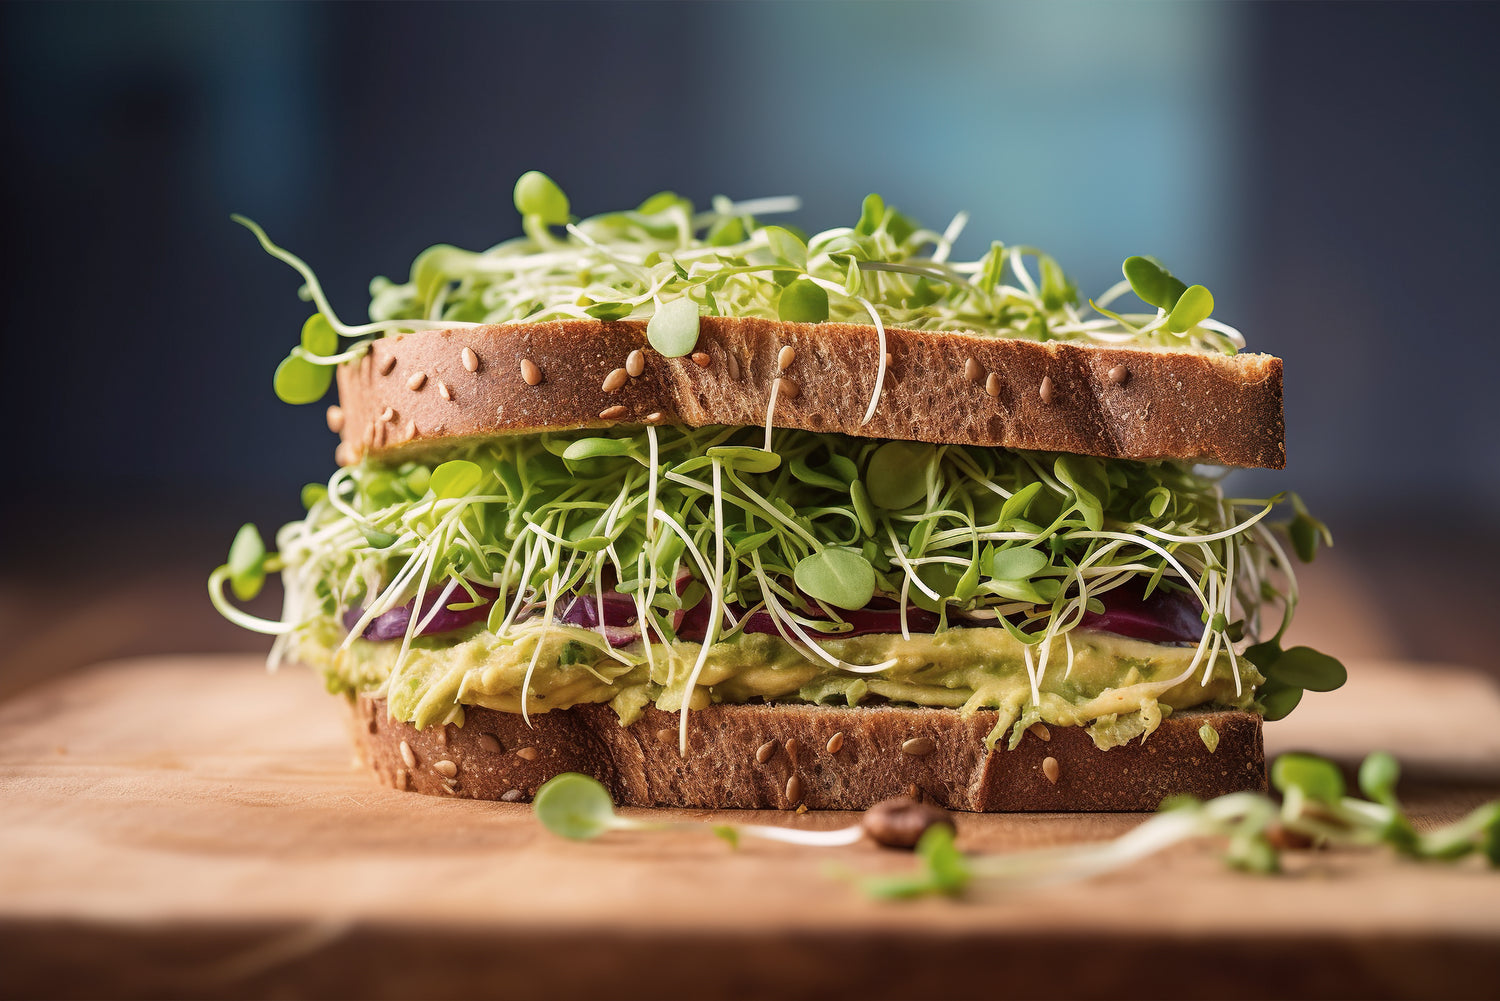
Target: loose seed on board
992	385
1051	769
789	389
335	419
918	746
527	754
734	366
792	747
1119	374
764	752
836	743
666	736
470	359
785	357
1046	389
511	796
386	364
530	374
615	380
387	415
444	391
654	417
635	363
701	359
613	413
416	381
445	768
488	742
973	371
793	790
1040	731
407	755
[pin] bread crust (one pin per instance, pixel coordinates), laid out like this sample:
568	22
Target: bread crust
746	757
414	392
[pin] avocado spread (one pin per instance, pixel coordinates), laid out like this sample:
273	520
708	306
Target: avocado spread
1119	687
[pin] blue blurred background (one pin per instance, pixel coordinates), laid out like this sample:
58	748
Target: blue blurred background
1328	170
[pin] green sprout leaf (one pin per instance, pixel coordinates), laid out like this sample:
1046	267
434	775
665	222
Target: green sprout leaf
298	380
1307	532
1279	701
1194	306
673	330
896	477
378	539
842	578
1153	283
786	247
1304	667
1210	737
1017	564
312	493
318	336
539	196
455	478
1057	290
595	448
247	563
575	806
1378	775
745	459
1317	778
802	301
608	311
870	215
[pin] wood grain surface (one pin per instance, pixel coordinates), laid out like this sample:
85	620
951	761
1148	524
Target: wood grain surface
189	826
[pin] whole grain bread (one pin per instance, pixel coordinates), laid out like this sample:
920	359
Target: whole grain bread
435	389
822	757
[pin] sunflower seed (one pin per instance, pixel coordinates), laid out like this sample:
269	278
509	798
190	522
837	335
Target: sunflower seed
530	373
918	746
635	363
469	359
1051	769
408	755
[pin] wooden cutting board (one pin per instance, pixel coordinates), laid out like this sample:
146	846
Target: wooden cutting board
193	827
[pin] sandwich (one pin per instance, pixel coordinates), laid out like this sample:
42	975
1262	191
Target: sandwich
730	516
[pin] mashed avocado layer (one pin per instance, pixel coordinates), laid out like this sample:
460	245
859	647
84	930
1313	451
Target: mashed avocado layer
1119	687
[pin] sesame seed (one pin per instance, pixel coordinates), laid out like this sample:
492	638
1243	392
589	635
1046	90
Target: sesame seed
665	736
635	363
836	743
335	419
488	742
387	415
734	367
792	747
764	752
527	754
793	791
403	779
654	417
789	389
918	746
416	381
613	413
386	363
408	755
992	385
511	796
1051	769
444	391
470	359
1046	389
785	357
615	380
445	768
1119	374
1040	731
411	429
973	371
530	373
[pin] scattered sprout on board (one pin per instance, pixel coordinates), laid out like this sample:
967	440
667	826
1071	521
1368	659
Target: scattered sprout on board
670	263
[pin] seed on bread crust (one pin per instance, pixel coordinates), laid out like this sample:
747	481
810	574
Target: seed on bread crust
444	391
386	364
489	742
789	388
469	359
918	747
785	357
387	415
793	791
1046	389
635	363
835	743
654	417
512	796
1051	769
734	366
613	413
665	736
408	755
530	374
1119	374
764	752
445	768
973	371
792	747
335	419
701	359
416	381
527	754
616	380
1040	731
992	384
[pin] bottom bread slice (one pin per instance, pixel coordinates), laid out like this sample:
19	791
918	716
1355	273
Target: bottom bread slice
823	757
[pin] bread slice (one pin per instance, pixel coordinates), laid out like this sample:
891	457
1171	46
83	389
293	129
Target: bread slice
434	389
822	757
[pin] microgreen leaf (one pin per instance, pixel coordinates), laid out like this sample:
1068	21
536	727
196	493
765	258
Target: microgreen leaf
312	493
673	330
247	563
1017	563
1279	701
896	476
378	539
1304	667
1193	307
870	215
786	247
455	478
1153	283
802	302
538	195
595	448
608	311
575	806
1378	775
1210	737
745	459
298	380
1057	290
1317	778
840	577
319	337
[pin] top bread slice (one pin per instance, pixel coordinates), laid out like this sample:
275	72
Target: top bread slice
423	392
